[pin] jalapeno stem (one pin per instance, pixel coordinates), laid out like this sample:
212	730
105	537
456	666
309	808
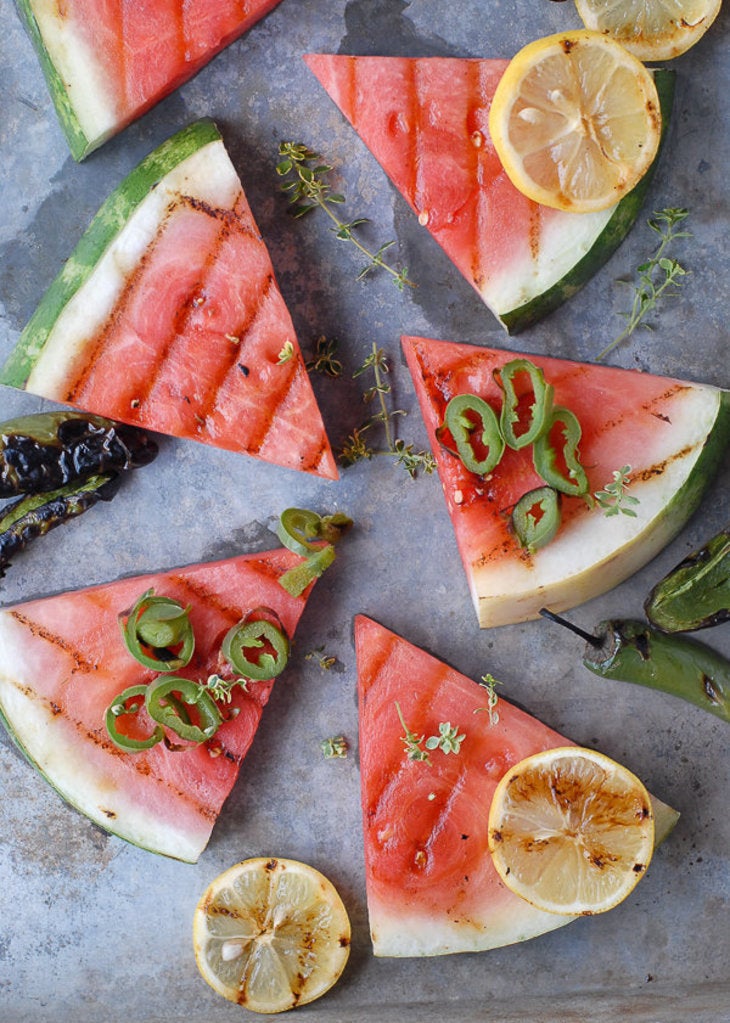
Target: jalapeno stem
587	636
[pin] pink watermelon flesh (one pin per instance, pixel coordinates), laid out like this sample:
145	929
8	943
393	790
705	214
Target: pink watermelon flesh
192	344
425	120
63	660
650	423
431	885
137	52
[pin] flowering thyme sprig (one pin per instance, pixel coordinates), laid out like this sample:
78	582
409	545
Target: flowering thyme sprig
613	498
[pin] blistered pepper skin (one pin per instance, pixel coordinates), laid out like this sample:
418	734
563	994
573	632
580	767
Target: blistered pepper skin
46	451
30	517
696	593
631	651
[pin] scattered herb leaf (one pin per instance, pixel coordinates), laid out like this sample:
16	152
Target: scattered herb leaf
658	277
448	740
323	360
356	447
325	662
308	189
286	353
613	498
334	747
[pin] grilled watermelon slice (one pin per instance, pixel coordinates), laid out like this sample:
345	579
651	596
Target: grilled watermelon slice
62	662
671	433
425	119
106	62
431	885
168	316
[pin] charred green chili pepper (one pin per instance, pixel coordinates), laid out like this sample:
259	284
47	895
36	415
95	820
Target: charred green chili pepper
536	518
517	429
695	594
557	460
157	632
48	450
631	651
32	516
164	698
259	634
120	707
303	531
473	424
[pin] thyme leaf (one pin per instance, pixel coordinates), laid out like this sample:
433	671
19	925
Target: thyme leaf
489	682
448	740
308	189
324	360
613	498
335	747
286	353
659	277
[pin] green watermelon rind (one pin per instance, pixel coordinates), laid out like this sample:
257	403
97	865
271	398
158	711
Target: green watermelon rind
613	234
111	217
77	140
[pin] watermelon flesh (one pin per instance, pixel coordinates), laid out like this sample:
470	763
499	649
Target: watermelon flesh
431	885
425	120
670	432
106	62
168	316
63	661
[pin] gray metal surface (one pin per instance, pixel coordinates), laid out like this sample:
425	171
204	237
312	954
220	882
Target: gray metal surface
94	929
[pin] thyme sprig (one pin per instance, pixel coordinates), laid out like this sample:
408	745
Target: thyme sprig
613	498
308	189
448	740
418	747
659	276
412	743
334	747
489	682
356	447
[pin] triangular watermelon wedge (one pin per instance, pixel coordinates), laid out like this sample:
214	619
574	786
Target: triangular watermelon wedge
168	315
425	119
671	433
431	885
106	62
62	662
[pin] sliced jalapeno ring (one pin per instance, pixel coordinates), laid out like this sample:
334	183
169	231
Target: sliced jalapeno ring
158	633
263	636
556	459
473	424
117	709
163	699
299	530
536	518
522	421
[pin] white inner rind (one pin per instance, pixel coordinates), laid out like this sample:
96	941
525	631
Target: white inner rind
207	176
563	241
83	77
593	553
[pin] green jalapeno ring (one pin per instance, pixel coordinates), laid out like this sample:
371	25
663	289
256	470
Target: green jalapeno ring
117	709
534	529
573	481
295	580
159	623
540	408
459	418
254	633
299	530
163	698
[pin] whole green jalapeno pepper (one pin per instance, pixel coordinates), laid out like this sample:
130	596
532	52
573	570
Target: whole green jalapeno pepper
473	424
696	593
557	461
521	379
631	651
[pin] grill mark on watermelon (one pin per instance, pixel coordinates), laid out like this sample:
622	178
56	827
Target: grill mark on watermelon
80	662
